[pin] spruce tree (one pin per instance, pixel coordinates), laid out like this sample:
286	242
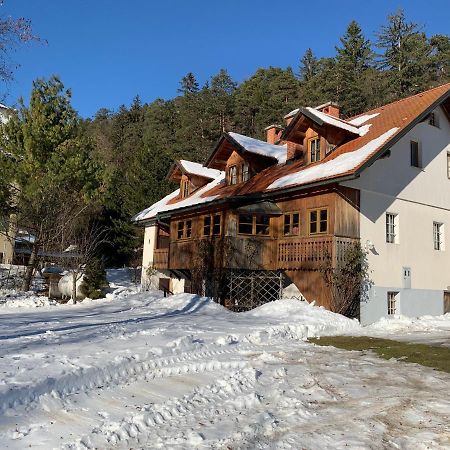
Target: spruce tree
308	66
406	55
353	58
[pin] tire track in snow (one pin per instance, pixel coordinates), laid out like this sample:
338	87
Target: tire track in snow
125	372
233	394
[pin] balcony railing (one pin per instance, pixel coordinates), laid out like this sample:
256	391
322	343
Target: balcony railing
311	252
161	258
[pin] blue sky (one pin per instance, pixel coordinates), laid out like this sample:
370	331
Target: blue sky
109	51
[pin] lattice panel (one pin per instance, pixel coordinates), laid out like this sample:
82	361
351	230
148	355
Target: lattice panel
251	288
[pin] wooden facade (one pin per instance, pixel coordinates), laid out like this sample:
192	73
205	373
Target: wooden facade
300	254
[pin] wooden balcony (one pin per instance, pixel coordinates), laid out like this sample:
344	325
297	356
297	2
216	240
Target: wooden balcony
312	252
161	258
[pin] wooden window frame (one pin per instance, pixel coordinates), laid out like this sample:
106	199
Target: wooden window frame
185	229
392	303
211	225
245	172
318	210
310	142
415	160
185	188
254	225
291	215
234	177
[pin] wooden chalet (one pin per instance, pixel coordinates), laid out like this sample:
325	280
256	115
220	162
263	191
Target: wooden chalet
282	206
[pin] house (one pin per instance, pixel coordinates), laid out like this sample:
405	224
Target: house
268	214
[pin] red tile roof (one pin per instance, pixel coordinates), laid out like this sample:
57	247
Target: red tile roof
387	124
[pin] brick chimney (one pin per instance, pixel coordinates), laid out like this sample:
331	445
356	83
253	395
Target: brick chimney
273	133
294	151
330	108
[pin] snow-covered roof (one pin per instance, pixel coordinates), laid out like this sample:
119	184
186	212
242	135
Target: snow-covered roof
198	169
166	203
252	145
334	167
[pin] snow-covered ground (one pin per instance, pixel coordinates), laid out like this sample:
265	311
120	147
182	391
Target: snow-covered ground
136	370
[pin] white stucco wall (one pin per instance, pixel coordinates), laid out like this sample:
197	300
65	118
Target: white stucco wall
419	197
176	285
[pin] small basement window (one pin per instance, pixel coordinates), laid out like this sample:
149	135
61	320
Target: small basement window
291	226
318	221
392	303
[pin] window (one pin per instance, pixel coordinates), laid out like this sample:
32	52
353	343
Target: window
216	229
392	303
433	120
184	229
185	188
232	175
391	228
314	149
291	226
318	221
245	224
254	224
415	154
212	225
438	235
245	172
448	165
262	225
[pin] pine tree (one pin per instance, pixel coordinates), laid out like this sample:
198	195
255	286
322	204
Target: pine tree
407	55
94	281
51	166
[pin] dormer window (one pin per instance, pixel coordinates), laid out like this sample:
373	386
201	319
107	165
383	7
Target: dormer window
232	175
185	188
314	149
245	172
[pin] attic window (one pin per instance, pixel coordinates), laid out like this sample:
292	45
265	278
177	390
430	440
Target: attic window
314	149
232	175
185	188
433	120
245	172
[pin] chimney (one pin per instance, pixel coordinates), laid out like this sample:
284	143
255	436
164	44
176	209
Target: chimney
273	133
329	108
294	151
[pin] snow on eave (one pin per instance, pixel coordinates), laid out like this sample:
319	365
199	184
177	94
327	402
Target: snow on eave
362	119
340	165
252	145
334	121
196	198
194	168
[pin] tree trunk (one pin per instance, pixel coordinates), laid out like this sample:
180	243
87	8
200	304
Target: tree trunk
26	284
74	287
